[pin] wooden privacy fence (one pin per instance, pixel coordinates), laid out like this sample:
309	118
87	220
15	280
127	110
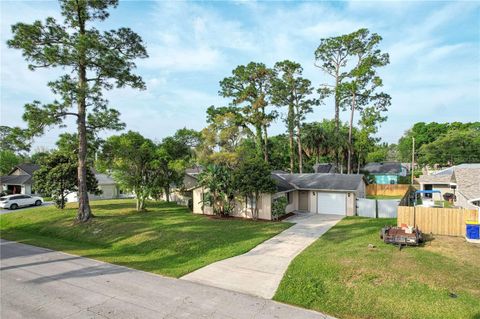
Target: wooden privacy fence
438	221
387	189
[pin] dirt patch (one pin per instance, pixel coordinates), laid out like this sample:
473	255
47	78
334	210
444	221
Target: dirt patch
455	247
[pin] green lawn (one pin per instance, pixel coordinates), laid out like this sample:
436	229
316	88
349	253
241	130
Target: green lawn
383	197
168	239
443	203
339	275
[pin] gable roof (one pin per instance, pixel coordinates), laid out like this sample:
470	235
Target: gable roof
15	179
321	181
468	181
393	168
28	168
435	179
282	184
104	179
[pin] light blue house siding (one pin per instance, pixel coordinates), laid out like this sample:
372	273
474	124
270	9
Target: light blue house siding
386	179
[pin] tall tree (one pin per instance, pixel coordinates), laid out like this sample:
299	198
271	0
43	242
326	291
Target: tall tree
315	139
426	133
223	136
331	56
68	143
130	158
360	88
8	160
453	148
249	87
171	158
14	139
57	177
95	61
290	89
252	178
219	190
366	141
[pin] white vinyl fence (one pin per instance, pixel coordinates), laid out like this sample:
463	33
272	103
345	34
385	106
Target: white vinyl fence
366	207
387	208
373	208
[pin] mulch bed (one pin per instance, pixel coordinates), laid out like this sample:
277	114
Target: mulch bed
242	218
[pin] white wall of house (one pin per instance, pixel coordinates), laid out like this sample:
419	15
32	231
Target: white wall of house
444	188
177	197
109	191
27	189
361	190
242	209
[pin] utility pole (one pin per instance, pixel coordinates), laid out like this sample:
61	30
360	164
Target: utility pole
413	160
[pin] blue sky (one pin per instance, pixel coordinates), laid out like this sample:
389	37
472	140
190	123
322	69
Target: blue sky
434	48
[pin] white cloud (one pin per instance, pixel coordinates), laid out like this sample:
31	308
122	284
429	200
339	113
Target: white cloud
174	58
433	74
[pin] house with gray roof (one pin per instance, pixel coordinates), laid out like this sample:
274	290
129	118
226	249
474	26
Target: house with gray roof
462	180
108	187
19	180
322	193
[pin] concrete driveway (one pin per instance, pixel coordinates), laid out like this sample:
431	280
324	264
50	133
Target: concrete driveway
40	283
259	271
6	211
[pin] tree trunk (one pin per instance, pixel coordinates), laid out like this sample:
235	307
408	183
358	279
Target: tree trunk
258	140
256	205
337	98
265	137
350	146
337	112
299	142
252	209
291	125
167	194
266	143
84	212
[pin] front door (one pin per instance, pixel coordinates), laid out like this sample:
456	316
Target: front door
303	200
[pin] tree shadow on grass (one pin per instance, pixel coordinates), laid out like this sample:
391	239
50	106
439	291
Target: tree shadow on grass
343	232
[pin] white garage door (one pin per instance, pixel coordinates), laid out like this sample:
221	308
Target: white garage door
332	203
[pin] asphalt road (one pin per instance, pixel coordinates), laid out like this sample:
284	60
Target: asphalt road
6	211
40	283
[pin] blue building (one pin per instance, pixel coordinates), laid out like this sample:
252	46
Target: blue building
386	172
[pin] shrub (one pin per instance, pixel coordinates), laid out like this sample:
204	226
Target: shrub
449	197
278	207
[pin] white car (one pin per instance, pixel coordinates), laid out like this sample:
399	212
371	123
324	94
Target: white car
19	200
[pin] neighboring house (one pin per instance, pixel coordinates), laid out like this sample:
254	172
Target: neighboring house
19	180
106	184
312	192
182	194
386	172
462	180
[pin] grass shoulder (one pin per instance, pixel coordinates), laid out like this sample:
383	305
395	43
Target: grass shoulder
341	276
167	239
